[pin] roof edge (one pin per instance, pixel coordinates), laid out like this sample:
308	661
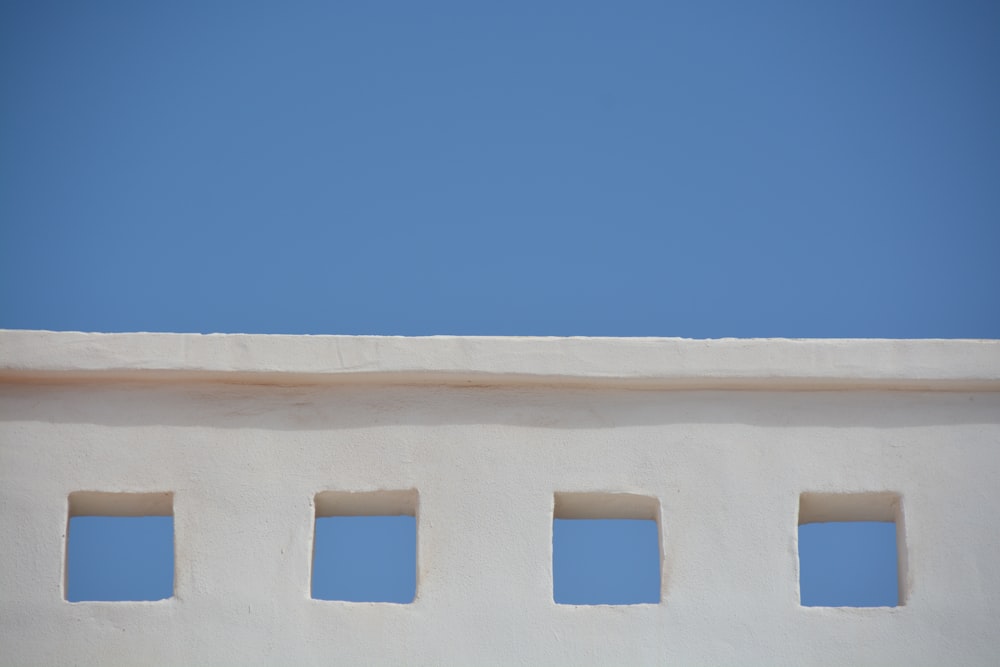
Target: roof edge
641	363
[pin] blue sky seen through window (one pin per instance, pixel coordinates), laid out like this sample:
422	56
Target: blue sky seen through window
605	561
848	564
365	558
120	558
373	559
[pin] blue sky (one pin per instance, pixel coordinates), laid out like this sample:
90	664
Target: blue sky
699	169
702	169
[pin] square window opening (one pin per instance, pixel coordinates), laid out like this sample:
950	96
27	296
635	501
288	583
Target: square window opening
119	547
365	546
852	550
606	549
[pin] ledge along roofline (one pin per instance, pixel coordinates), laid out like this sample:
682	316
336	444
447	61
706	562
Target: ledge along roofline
766	364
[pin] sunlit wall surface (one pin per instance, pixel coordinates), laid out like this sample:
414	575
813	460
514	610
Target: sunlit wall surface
183	499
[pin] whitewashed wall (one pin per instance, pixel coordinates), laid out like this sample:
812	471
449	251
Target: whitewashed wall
725	435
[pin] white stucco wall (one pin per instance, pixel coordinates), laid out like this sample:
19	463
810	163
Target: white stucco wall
726	436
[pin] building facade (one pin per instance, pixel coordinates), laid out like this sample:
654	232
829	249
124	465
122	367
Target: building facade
727	444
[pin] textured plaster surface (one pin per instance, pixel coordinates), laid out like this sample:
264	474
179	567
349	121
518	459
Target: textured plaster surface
489	361
246	438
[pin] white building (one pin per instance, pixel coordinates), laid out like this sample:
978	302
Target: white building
727	444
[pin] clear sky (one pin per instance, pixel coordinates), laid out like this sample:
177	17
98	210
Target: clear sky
703	169
700	169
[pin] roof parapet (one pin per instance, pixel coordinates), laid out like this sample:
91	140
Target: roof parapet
631	363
